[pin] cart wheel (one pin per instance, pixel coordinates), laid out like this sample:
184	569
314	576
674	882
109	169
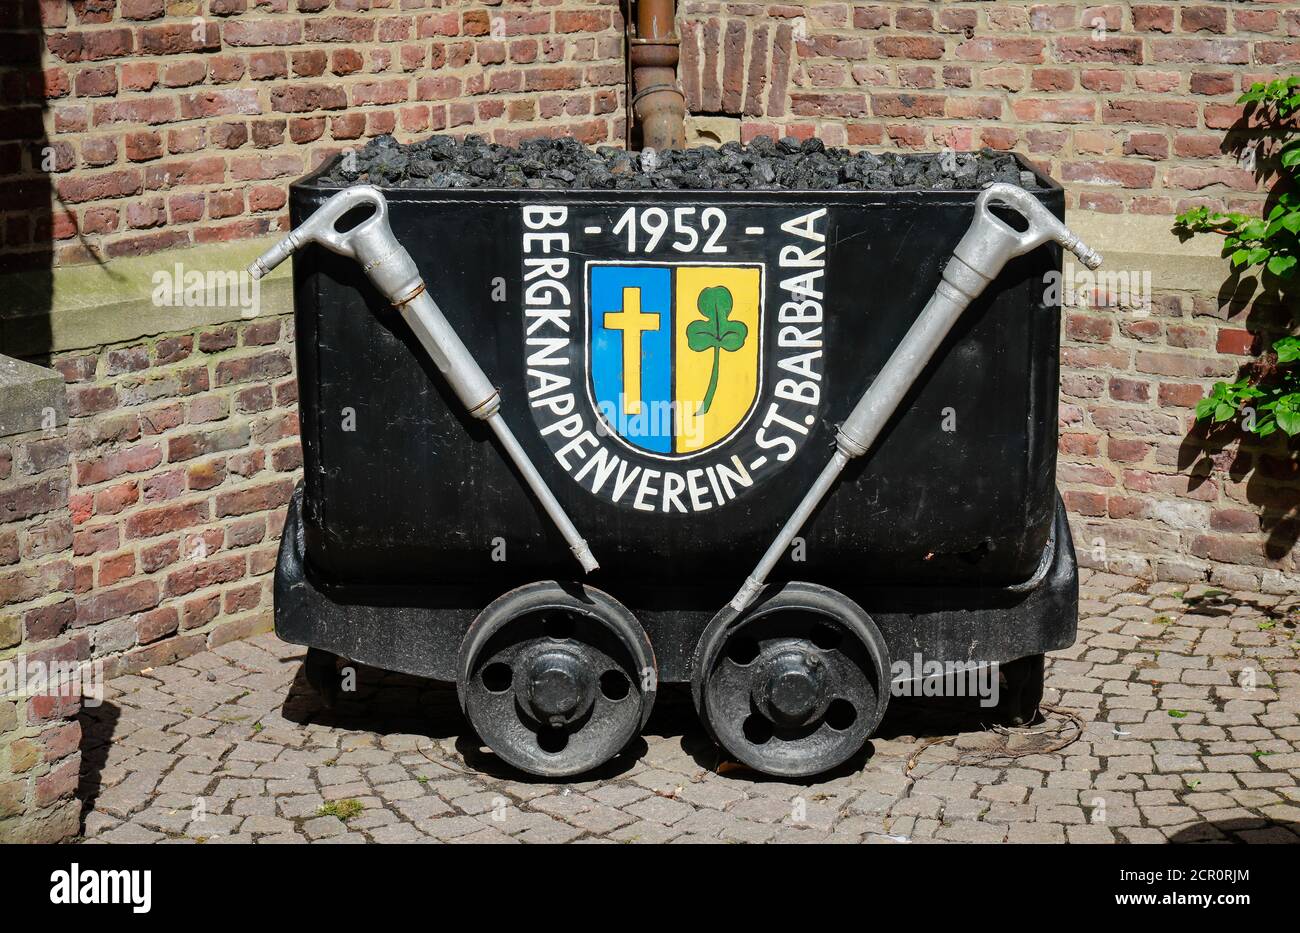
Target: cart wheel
322	671
1023	691
796	685
556	679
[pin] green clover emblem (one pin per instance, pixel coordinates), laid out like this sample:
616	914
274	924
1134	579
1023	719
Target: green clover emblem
716	332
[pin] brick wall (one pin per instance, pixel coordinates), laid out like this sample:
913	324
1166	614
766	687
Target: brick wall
173	122
1126	104
1152	492
184	451
39	740
143	531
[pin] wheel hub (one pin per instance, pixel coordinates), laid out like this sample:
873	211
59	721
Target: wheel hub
790	686
559	685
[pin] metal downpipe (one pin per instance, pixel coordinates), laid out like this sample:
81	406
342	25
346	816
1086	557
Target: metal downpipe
657	99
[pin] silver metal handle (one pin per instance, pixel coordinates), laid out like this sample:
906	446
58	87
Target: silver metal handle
988	245
394	273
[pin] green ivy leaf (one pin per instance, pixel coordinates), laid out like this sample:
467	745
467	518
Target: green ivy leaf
1273	242
1288	420
1288	349
1281	265
1253	230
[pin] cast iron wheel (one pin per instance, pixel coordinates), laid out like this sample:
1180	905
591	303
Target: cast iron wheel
1022	693
322	671
556	679
797	684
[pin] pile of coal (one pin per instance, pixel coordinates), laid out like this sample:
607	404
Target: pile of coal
784	165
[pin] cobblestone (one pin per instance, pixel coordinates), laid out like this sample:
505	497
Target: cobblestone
1190	731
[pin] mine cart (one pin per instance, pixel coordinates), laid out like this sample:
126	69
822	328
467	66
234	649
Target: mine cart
670	384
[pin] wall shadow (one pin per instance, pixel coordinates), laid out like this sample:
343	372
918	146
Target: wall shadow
28	161
1242	831
98	726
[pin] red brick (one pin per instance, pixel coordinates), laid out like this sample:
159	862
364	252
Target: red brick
254	499
148	523
1204	19
1124	174
922	47
305	98
1236	341
118	602
1114	49
58	783
1216	51
1027	51
200	611
94	187
1151	112
96	82
245	33
115	569
1068	110
1151	145
1084	503
1153	18
208	573
172	39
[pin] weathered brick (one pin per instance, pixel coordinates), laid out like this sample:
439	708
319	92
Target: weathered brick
148	523
254	499
103	605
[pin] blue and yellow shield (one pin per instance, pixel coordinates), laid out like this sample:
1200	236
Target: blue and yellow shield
675	352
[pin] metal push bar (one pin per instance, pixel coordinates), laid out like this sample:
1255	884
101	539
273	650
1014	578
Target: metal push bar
986	247
394	273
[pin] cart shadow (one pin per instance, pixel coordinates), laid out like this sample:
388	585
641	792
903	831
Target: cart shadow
936	717
383	703
386	703
905	719
481	760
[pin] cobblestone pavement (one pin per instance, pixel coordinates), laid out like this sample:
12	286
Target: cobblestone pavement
1175	744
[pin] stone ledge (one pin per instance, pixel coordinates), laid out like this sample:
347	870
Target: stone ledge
78	307
1141	242
28	395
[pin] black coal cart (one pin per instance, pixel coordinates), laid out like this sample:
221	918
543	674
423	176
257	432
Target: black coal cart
677	365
